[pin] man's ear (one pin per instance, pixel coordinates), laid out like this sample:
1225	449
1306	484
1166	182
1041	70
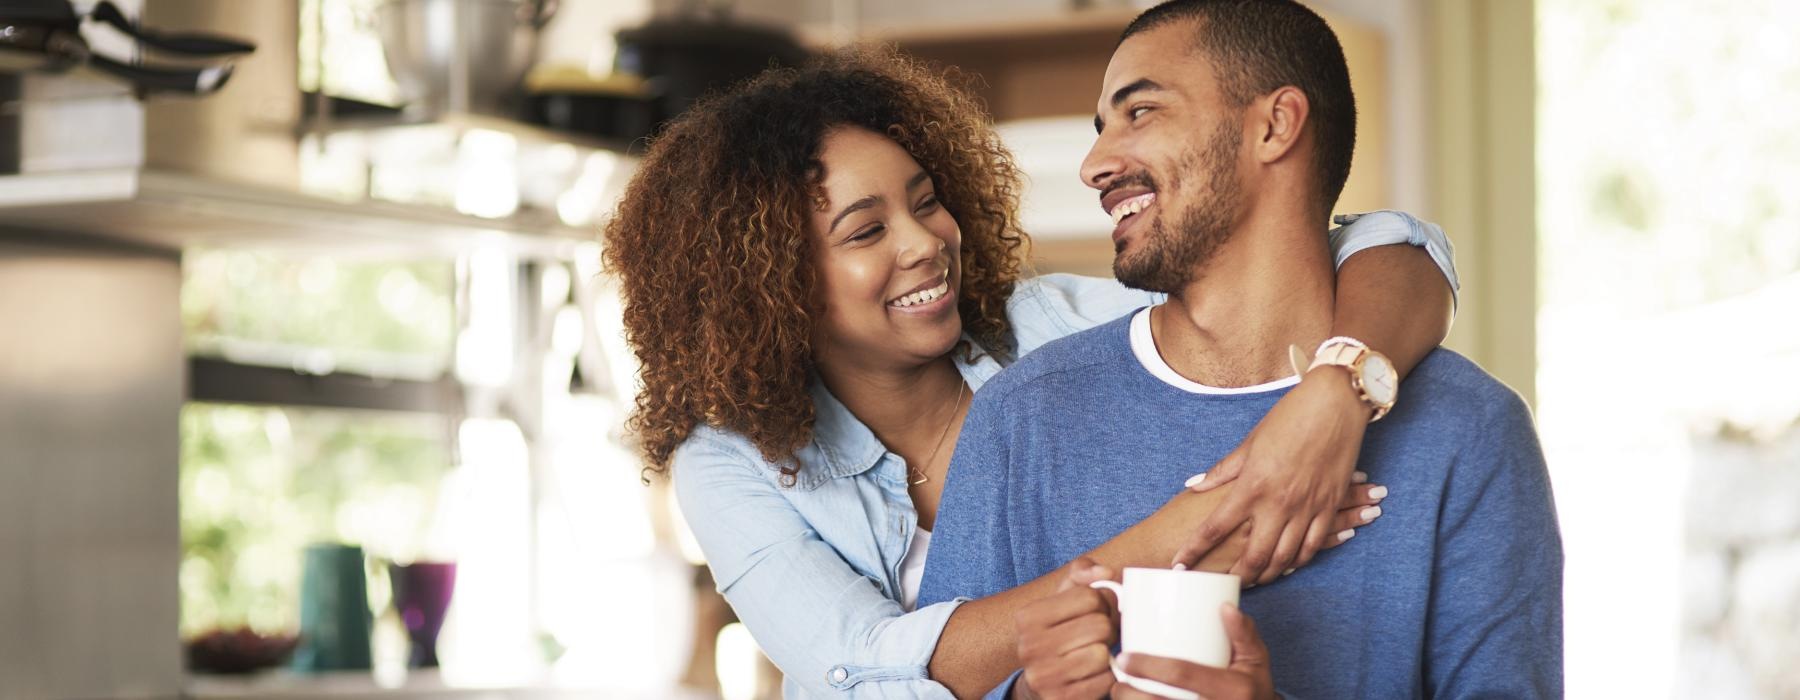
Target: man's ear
1281	122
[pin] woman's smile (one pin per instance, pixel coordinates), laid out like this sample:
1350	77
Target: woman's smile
930	298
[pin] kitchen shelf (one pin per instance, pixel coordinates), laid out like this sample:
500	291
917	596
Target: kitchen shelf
525	132
177	211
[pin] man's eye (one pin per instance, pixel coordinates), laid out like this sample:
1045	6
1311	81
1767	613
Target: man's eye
1136	112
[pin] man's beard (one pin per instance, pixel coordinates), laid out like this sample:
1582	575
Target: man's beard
1170	256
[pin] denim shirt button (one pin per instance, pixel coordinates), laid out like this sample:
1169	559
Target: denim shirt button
839	675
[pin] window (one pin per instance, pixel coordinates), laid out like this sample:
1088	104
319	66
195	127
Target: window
1670	361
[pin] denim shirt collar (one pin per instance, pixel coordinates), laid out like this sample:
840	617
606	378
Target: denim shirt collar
847	447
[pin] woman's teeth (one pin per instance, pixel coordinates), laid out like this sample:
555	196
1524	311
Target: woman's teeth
928	295
1131	206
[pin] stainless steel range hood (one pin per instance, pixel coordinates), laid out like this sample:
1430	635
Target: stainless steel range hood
243	167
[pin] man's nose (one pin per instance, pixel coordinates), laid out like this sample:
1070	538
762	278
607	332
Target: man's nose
1102	164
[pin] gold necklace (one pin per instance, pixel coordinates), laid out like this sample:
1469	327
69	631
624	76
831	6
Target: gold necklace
918	474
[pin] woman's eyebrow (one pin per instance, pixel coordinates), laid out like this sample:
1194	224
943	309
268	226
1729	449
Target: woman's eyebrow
871	200
856	206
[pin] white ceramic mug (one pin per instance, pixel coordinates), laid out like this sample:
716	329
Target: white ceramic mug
1173	614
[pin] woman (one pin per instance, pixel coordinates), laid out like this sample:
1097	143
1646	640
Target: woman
819	268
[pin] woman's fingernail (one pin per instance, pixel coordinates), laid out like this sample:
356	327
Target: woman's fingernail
1378	492
1194	480
1359	477
1179	566
1125	659
1287	573
1371	513
1345	535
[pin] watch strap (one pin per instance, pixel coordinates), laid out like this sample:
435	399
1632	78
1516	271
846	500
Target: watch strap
1342	352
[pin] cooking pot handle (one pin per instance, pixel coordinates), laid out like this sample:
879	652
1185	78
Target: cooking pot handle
191	81
191	43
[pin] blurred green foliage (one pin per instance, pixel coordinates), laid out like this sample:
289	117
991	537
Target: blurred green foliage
259	483
381	308
1666	151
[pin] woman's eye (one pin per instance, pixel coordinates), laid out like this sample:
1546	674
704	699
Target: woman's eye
865	234
928	204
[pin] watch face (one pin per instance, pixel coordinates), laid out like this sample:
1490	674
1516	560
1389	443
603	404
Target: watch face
1379	380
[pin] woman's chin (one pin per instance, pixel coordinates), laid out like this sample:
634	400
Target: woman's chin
939	344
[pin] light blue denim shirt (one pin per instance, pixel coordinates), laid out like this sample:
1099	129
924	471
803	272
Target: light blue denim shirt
813	569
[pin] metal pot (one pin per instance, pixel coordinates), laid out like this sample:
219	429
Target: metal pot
686	57
462	55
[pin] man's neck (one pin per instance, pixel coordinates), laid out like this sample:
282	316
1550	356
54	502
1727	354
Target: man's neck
1269	286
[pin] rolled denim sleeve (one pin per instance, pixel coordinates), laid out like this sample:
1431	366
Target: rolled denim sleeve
1004	690
1359	232
827	627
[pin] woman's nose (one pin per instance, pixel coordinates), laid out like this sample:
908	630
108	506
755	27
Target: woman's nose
918	244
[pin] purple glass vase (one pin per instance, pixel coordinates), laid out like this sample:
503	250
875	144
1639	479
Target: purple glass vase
422	595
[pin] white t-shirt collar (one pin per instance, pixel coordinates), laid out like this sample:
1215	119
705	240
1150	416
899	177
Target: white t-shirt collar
1143	346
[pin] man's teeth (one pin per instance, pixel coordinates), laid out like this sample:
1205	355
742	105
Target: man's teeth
1131	206
922	297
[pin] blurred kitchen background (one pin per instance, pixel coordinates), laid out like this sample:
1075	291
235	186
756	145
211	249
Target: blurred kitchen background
302	328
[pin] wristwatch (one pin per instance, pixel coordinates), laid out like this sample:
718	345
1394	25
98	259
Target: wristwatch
1372	375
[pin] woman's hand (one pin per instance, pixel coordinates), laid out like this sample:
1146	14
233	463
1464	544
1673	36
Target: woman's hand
1247	678
1359	505
1064	639
1290	475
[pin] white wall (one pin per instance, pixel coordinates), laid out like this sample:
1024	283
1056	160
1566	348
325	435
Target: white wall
91	383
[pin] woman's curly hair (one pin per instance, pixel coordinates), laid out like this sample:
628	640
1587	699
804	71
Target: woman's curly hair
711	246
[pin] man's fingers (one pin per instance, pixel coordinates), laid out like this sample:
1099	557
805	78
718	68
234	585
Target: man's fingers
1175	672
1247	648
1221	473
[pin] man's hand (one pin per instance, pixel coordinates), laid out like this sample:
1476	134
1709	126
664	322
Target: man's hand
1290	473
1065	640
1247	678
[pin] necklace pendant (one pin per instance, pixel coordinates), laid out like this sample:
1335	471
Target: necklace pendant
920	478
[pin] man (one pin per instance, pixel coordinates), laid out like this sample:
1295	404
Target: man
1225	134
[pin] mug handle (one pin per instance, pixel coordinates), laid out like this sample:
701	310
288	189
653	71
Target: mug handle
1117	588
1144	684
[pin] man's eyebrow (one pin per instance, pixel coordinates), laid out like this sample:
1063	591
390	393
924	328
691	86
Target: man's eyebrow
1120	95
856	206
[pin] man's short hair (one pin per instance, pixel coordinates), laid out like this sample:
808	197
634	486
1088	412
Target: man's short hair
1258	46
